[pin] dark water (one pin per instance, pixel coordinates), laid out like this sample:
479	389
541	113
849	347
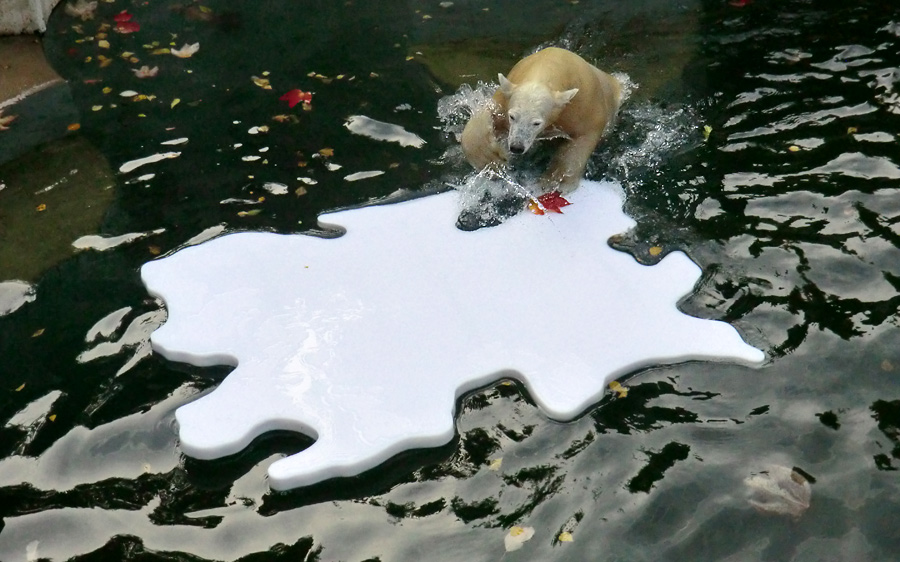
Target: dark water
791	206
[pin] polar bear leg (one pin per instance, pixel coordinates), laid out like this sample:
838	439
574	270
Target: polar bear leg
568	165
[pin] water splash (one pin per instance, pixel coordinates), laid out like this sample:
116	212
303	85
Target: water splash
639	141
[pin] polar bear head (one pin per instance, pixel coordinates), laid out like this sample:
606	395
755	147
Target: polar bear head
531	108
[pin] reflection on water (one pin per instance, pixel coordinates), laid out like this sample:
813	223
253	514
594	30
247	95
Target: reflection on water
790	205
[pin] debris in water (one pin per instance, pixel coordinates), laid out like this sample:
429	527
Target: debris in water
779	490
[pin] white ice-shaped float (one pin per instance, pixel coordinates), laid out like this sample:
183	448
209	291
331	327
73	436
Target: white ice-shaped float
365	341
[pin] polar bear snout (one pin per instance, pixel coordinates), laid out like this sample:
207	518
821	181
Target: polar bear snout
517	148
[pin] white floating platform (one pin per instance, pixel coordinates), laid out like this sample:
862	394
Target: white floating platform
365	341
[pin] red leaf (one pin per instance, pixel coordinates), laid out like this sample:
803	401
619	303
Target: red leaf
128	26
297	96
553	201
122	16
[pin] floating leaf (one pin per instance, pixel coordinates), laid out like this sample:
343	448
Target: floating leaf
852	130
707	130
175	102
161	51
297	96
103	44
128	94
38	333
81	9
565	536
52	417
495	464
145	71
73	126
122	16
655	250
261	82
21	386
107	90
794	148
186	51
96	108
40	208
250	213
887	366
516	537
300	191
127	27
618	389
327	152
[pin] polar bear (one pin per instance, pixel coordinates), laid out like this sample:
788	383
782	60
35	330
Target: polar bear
552	93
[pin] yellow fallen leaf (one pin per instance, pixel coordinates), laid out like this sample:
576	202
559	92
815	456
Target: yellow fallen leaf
565	536
300	191
73	126
97	108
327	152
21	386
852	130
52	417
41	207
618	389
38	333
161	51
887	366
794	148
707	130
261	82
107	90
655	250
154	250
175	102
495	464
103	44
250	213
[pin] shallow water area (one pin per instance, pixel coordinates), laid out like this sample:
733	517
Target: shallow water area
761	140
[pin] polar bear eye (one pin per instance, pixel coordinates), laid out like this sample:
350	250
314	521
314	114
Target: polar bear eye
537	123
512	117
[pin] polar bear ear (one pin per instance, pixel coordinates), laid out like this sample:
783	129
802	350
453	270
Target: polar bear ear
506	86
562	98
